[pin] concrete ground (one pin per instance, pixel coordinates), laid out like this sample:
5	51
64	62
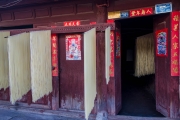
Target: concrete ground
16	115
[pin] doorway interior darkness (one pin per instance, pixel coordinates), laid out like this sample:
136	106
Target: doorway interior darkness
16	27
138	93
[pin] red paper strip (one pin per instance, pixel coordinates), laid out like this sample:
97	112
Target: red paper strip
118	45
73	47
111	68
110	21
92	23
175	44
54	57
141	12
161	42
72	23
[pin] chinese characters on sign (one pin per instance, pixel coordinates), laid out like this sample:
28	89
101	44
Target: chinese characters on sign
111	68
175	44
161	42
163	8
124	14
73	47
72	23
54	54
141	12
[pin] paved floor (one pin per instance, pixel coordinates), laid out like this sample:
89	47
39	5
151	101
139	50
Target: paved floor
138	104
15	115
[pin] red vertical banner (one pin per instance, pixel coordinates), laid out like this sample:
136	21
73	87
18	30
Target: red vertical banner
111	68
175	44
54	49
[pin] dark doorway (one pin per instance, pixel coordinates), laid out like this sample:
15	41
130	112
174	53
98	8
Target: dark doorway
138	93
16	27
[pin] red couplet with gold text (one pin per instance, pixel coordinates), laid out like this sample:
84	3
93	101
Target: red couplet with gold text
54	54
175	43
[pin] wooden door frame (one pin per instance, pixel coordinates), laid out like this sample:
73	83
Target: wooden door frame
154	55
54	101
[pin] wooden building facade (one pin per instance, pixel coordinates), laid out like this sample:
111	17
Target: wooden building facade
68	85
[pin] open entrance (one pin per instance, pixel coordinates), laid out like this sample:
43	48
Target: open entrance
138	67
16	27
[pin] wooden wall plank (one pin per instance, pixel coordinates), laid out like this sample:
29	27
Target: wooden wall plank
23	14
63	10
43	12
84	8
6	16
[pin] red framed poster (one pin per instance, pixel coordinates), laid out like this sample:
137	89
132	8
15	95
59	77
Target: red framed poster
175	43
161	42
54	53
73	47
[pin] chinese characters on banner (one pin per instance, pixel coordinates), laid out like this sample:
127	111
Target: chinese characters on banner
111	68
175	44
141	12
161	42
54	54
112	37
118	45
72	23
73	47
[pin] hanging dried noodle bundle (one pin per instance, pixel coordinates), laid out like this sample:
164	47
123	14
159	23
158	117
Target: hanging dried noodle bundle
89	70
144	64
41	74
19	65
4	70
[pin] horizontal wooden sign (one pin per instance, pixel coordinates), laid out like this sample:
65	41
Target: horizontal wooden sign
113	15
72	23
141	12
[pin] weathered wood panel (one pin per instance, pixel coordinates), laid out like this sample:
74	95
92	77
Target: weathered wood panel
63	10
43	12
85	8
71	78
23	14
162	70
118	76
6	16
101	80
49	13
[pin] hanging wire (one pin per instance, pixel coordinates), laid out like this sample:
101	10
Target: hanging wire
10	4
